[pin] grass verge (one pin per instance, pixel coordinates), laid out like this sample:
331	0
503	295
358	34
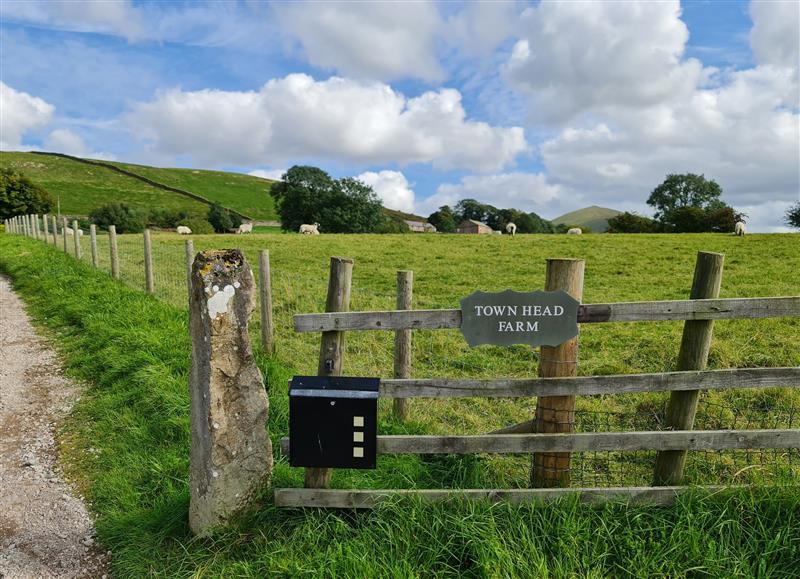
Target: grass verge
133	353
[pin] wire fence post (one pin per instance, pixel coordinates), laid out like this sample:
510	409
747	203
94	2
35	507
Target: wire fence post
189	262
557	413
693	355
402	341
150	286
112	245
45	231
64	233
76	234
55	231
93	243
265	286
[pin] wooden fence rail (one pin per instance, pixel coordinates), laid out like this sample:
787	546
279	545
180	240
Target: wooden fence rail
657	311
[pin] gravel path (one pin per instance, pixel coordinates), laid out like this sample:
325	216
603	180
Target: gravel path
45	529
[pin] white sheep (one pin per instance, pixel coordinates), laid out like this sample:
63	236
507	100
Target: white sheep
740	228
70	232
307	229
511	228
183	230
245	228
574	231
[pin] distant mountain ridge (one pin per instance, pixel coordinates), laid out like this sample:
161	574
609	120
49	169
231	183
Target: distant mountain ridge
594	217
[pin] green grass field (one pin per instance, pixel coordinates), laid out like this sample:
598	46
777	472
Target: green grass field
247	194
82	187
133	350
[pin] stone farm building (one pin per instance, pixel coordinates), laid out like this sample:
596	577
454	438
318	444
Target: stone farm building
420	227
472	226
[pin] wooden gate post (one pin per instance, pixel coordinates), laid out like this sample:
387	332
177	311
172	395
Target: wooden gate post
112	245
77	239
693	355
402	340
331	352
557	413
93	243
265	286
149	284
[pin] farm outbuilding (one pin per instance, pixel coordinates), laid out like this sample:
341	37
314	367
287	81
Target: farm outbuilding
420	226
472	226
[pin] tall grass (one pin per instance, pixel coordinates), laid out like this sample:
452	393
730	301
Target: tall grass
133	352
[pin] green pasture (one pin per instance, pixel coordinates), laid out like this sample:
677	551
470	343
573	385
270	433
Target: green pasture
133	353
246	194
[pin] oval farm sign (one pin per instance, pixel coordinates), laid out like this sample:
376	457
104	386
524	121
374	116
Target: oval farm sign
509	317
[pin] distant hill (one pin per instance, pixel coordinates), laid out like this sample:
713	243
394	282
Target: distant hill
404	216
83	184
594	217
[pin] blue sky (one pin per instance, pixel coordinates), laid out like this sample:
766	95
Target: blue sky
547	107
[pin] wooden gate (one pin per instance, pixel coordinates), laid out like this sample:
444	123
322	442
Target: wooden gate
672	444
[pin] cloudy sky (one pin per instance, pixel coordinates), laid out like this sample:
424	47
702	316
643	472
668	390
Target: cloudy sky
546	107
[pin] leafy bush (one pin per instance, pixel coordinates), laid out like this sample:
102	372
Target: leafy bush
632	223
20	196
793	216
124	217
167	218
444	220
222	219
198	225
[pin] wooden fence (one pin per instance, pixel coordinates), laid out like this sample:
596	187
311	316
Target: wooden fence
549	446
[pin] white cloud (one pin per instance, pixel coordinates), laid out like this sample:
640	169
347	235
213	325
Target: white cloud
118	17
69	143
479	27
775	36
392	187
525	191
19	113
575	57
274	174
340	119
376	40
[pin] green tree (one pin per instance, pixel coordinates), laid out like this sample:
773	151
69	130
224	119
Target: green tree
309	195
722	219
124	218
472	209
632	223
222	219
21	196
688	190
444	220
793	216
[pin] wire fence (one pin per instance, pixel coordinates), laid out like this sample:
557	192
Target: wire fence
445	354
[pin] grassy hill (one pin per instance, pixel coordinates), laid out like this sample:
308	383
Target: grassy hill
594	217
81	187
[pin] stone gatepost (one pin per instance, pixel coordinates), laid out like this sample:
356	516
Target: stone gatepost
231	458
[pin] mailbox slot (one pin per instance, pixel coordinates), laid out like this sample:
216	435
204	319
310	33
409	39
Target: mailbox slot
333	421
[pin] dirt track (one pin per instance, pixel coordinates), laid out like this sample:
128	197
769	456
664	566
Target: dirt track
45	528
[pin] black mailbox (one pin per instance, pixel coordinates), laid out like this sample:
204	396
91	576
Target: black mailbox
333	421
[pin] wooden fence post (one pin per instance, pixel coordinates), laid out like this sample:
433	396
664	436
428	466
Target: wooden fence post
189	248
112	244
64	233
93	243
77	237
148	264
265	287
55	232
45	231
557	413
693	355
402	341
331	352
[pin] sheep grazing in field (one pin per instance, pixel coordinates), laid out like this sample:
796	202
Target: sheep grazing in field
183	230
574	231
307	229
740	228
70	232
245	228
511	228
